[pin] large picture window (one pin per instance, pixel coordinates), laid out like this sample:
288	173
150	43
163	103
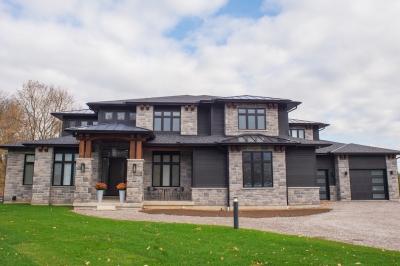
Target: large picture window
251	118
28	169
64	168
257	169
167	121
166	169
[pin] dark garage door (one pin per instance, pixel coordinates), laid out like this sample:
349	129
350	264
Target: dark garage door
368	185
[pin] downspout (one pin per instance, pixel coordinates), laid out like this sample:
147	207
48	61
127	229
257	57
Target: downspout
228	203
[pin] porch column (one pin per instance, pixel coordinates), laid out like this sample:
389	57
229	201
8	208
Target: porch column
134	181
82	180
343	179
42	176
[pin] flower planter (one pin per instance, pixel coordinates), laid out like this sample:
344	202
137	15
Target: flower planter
100	195
122	194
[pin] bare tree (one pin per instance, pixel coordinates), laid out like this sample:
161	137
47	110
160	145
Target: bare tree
37	101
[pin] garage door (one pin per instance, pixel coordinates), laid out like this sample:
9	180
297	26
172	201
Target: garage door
368	185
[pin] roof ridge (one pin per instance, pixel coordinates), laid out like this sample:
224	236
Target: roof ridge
339	148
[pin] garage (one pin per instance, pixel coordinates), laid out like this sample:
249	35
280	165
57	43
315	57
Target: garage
368	179
368	184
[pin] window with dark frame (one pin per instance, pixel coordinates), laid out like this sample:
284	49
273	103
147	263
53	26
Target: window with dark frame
120	115
64	168
167	121
297	133
108	115
257	169
166	169
251	118
28	169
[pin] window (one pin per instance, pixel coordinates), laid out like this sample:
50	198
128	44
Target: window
257	169
28	169
132	116
120	115
167	121
64	168
166	169
73	123
84	123
95	123
251	118
297	133
108	115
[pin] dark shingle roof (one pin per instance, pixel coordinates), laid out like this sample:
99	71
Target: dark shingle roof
184	140
85	112
351	148
293	121
12	145
109	128
61	141
189	99
247	139
251	98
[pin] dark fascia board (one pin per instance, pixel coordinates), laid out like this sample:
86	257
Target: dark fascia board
52	145
60	115
320	125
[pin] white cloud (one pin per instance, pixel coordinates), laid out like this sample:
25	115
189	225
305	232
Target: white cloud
340	58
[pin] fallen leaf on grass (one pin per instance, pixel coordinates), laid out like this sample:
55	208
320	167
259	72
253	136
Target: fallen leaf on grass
160	248
235	248
148	248
87	263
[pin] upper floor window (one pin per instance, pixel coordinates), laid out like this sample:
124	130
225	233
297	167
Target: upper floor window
28	169
120	115
297	133
108	115
257	169
132	116
167	121
64	168
251	118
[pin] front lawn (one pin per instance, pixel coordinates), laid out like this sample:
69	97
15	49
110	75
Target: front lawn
48	235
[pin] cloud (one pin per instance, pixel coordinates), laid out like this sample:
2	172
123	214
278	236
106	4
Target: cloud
340	58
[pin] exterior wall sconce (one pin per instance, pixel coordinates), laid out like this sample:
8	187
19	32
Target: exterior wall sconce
346	173
82	167
391	172
134	168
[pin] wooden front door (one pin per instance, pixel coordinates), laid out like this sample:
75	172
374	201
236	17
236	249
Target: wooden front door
117	174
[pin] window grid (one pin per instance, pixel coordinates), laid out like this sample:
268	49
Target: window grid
64	168
166	169
257	169
167	121
251	118
297	133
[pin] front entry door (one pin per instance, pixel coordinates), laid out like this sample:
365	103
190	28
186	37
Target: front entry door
117	174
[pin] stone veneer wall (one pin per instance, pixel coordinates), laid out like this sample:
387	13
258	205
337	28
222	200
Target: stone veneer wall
303	196
269	196
144	118
14	177
42	176
342	180
393	182
333	193
134	181
83	181
96	171
62	195
210	196
188	121
185	167
231	120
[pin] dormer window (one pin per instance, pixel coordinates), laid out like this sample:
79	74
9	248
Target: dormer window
251	118
167	121
120	115
108	115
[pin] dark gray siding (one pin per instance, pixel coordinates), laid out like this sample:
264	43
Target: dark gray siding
217	120
367	162
327	162
77	119
301	167
209	167
316	133
204	120
283	120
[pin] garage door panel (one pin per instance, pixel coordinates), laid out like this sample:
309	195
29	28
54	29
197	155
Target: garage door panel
368	184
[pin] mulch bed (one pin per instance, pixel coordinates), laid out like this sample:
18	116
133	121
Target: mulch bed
248	214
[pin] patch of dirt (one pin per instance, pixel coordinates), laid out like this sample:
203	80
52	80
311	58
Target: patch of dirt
247	214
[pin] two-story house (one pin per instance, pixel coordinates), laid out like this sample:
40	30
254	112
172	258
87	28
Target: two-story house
195	152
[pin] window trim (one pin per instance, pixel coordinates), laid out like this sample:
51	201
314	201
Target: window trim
63	162
171	163
105	115
262	161
256	115
25	163
162	117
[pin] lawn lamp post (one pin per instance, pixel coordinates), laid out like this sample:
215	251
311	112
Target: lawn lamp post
235	213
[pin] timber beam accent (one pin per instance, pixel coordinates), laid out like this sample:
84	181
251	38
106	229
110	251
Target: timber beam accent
135	143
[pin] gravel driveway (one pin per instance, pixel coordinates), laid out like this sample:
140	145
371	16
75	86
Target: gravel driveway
374	224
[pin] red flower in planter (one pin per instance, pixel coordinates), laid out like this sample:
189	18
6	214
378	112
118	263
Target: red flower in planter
100	186
121	186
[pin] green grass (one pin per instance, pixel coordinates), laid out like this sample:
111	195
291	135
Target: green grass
48	235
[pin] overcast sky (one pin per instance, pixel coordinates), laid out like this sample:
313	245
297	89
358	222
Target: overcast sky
340	58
